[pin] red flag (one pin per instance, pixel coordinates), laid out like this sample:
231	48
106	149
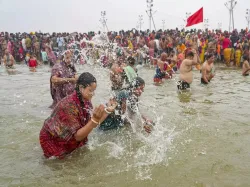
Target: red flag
196	18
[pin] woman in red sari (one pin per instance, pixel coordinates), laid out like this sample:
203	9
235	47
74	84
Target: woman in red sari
71	121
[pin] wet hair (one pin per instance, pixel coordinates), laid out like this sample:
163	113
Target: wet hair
131	61
245	57
136	83
85	80
190	54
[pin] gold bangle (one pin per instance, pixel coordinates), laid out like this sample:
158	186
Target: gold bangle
106	110
95	122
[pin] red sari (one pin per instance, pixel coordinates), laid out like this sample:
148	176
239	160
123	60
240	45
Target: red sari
57	135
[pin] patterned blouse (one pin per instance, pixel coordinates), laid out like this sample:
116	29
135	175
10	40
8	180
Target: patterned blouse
57	135
59	91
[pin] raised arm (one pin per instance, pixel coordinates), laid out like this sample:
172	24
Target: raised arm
57	80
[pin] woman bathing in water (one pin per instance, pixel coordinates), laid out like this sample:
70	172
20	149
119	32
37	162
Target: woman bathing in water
71	121
127	99
63	79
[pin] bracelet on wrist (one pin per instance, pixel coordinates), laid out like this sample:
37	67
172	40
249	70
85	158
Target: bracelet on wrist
106	110
95	122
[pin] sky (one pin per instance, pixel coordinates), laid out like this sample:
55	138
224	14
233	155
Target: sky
84	15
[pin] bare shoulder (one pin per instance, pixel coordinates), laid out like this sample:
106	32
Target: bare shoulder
187	62
160	62
246	64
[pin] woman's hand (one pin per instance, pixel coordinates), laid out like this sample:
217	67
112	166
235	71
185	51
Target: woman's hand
97	114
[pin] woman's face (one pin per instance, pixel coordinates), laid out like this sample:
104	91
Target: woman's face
89	91
138	91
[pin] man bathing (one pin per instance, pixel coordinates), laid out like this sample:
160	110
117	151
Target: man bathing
245	66
207	69
186	75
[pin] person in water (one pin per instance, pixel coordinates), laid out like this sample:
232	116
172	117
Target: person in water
51	56
63	79
8	60
207	69
130	70
71	121
170	64
116	74
32	63
186	75
245	66
160	69
127	99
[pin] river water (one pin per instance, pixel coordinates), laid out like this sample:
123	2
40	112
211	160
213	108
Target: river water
201	138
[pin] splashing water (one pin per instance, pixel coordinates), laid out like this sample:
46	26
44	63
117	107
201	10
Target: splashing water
153	147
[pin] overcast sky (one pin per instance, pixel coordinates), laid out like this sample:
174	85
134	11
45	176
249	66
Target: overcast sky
84	15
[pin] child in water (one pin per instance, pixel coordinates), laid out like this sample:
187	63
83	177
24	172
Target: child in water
32	63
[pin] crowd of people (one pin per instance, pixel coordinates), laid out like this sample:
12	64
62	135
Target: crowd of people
228	47
73	116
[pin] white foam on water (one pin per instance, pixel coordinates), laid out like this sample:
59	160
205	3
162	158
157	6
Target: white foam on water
115	150
153	148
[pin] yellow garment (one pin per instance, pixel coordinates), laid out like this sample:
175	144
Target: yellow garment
202	55
227	55
28	42
238	54
130	45
181	47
